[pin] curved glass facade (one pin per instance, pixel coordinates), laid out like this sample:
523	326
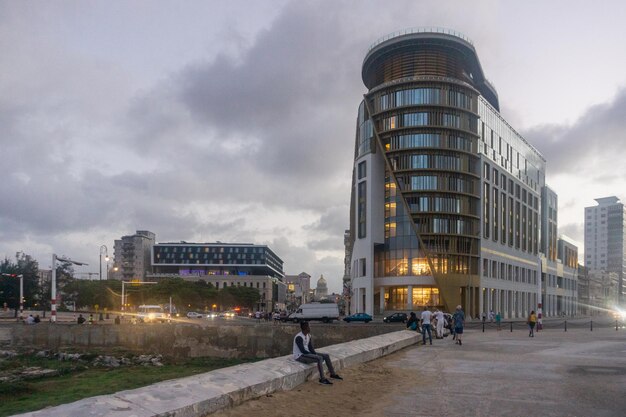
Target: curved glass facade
425	111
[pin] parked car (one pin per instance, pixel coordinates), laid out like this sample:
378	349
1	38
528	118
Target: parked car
194	315
395	318
358	317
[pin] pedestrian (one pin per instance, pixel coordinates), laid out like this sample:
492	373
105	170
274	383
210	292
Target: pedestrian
30	319
491	316
37	319
411	323
80	319
459	323
498	320
304	352
426	317
532	320
440	323
91	318
117	320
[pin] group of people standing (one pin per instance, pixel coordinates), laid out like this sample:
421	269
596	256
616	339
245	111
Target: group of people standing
455	323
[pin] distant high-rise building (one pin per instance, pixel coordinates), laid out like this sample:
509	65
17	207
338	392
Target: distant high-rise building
447	200
131	256
605	240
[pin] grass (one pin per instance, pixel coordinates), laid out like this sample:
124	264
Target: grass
73	385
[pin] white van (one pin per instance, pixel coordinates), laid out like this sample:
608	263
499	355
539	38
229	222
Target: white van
325	312
151	313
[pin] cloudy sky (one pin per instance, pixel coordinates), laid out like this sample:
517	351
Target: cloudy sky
234	120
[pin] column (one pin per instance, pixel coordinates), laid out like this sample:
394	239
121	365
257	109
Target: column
409	298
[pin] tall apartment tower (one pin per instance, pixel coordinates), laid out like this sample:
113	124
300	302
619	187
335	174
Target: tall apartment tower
131	256
446	196
605	240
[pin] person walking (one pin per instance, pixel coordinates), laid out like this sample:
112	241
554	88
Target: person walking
498	320
304	352
426	318
440	322
532	320
459	323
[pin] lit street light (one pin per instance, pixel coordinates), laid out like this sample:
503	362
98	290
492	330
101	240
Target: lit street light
106	258
53	298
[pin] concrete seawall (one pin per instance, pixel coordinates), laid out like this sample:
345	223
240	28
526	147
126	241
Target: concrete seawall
262	340
199	395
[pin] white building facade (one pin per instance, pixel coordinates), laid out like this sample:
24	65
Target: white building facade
447	203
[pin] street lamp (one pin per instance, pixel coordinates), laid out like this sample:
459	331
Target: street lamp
53	298
106	258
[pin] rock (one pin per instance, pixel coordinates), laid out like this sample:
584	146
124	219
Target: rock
7	354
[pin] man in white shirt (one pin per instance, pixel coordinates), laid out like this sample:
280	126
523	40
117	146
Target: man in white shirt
304	352
426	317
440	322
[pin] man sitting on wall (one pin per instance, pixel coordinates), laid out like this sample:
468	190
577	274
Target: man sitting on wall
304	352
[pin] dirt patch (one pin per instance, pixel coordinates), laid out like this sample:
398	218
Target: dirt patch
362	393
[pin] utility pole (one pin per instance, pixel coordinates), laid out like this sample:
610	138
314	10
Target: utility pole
53	295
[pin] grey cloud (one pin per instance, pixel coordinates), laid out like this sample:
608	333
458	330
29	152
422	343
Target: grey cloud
331	243
333	219
574	231
595	140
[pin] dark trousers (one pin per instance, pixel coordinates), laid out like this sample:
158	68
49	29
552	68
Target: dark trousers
426	328
318	358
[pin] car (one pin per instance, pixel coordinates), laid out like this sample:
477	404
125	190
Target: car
194	315
395	318
212	315
358	317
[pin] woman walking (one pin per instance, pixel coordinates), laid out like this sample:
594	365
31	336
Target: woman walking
459	322
532	320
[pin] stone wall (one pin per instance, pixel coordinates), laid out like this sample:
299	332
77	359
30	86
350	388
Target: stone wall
185	340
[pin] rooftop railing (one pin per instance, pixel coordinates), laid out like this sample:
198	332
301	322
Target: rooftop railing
410	31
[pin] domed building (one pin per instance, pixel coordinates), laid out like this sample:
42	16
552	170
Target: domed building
321	291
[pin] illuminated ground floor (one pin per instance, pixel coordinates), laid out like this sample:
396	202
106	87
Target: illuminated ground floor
510	303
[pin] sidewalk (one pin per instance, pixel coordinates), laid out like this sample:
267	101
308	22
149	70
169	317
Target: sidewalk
492	374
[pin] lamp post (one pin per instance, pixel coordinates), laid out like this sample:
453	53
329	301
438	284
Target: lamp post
53	285
106	258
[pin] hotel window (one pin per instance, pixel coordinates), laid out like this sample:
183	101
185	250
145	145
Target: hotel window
362	168
503	218
486	172
362	209
486	214
496	212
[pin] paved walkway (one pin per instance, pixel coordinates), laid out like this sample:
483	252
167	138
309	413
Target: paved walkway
578	373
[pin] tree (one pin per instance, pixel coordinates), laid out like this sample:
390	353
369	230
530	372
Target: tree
10	286
239	296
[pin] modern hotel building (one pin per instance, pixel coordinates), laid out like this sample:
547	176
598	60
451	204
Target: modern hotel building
449	203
